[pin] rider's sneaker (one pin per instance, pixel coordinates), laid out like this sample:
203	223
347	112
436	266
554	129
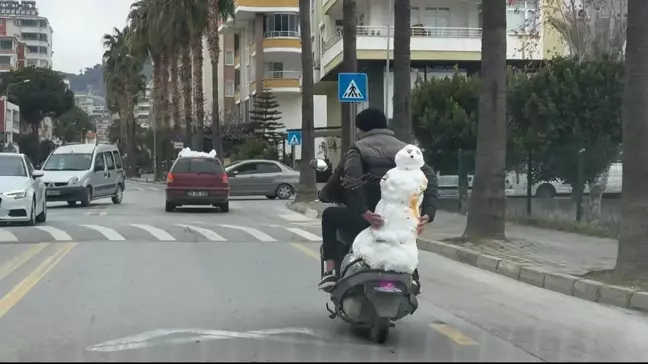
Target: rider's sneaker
328	281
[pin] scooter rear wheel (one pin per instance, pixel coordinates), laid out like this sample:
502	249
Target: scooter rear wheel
380	330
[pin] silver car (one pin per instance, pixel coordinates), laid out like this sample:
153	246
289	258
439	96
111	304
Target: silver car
22	193
260	177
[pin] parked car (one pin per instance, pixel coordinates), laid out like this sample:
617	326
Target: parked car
22	192
84	172
197	180
261	177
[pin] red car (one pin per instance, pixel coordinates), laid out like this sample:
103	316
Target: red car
197	181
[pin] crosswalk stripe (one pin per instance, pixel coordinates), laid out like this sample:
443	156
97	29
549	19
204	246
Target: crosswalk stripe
304	234
109	233
152	188
6	235
135	189
294	217
158	233
254	232
208	234
57	234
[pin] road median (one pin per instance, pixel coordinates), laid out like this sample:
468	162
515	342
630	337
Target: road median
522	260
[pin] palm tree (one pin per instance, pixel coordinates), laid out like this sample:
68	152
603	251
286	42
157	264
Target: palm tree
307	190
350	64
486	213
633	239
216	10
402	115
124	82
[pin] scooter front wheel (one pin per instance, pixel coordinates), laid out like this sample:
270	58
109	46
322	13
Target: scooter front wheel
380	330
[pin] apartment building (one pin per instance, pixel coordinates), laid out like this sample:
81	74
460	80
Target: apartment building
143	107
93	105
27	34
262	50
445	34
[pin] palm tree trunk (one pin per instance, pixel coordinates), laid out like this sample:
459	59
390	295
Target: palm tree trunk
349	63
175	92
402	116
199	102
213	42
487	205
165	109
307	190
185	79
633	240
157	111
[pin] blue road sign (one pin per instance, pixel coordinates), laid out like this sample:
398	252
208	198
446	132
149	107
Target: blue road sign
352	87
294	137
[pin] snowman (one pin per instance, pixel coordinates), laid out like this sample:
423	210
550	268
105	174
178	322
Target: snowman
393	246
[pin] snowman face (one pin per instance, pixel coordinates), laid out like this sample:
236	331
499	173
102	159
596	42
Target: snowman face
410	157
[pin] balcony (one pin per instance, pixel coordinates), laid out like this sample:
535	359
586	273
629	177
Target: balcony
245	10
282	41
280	81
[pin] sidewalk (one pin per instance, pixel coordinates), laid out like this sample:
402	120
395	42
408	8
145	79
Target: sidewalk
146	178
557	251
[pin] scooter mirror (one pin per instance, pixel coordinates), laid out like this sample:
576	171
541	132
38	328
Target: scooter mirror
318	164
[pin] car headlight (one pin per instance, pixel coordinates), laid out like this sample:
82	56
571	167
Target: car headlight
74	180
16	194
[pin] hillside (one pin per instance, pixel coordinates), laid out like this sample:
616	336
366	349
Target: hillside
91	79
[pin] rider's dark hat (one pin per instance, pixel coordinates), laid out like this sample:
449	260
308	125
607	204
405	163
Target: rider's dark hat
370	119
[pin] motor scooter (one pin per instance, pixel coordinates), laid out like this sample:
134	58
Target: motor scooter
365	297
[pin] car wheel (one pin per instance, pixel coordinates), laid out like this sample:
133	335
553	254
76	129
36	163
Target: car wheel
284	191
270	197
71	203
32	214
119	195
42	217
85	202
169	207
546	191
224	207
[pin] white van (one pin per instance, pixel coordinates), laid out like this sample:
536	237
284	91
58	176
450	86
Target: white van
84	172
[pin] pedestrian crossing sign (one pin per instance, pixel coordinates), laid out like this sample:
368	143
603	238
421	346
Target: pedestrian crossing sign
294	137
352	87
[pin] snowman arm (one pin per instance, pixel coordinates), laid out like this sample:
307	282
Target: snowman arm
431	194
355	197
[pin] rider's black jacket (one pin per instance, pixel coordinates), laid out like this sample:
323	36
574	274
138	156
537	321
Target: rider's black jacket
356	180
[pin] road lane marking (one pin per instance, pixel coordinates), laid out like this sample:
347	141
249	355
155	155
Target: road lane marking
6	235
304	234
453	334
135	189
208	234
57	234
158	233
22	258
109	233
152	189
296	217
97	213
20	290
254	232
310	252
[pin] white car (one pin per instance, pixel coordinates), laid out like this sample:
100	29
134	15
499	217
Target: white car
22	193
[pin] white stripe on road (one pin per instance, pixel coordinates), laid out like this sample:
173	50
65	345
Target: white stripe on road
158	233
153	188
295	217
254	232
135	189
208	234
304	234
6	235
109	233
57	234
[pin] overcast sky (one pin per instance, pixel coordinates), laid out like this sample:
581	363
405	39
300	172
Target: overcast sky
78	28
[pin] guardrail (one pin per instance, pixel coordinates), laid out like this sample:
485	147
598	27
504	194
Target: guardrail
282	34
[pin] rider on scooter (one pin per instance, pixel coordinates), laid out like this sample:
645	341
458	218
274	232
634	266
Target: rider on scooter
367	160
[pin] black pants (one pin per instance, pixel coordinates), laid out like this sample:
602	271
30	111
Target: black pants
340	218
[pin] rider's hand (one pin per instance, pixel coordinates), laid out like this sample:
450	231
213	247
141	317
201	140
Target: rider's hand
373	218
423	220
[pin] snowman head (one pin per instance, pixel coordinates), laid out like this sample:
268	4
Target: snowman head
410	157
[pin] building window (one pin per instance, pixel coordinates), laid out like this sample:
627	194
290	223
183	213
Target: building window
29	36
43	50
42	37
5	60
229	58
281	25
35	23
229	89
32	62
32	49
273	69
432	17
521	16
6	45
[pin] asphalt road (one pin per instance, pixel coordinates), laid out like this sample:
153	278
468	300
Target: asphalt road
132	283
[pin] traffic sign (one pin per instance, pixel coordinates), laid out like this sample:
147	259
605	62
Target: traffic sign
352	87
294	137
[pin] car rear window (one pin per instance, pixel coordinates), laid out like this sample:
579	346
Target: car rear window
198	165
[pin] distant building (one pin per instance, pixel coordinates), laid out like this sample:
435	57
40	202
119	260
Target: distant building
143	107
93	105
9	125
25	36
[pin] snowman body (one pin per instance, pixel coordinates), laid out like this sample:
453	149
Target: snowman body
393	246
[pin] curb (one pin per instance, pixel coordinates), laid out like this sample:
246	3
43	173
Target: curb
141	181
574	286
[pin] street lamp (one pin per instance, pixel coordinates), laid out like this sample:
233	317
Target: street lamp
5	139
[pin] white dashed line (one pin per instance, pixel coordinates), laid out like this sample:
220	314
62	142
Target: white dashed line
208	234
56	234
254	232
304	234
6	235
109	233
158	233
